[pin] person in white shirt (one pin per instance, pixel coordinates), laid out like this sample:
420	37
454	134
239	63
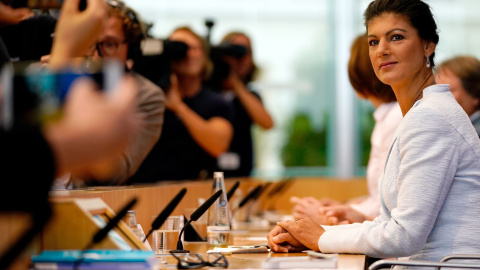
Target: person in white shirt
430	188
387	117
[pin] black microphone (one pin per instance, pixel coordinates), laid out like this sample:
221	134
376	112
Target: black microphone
250	196
194	217
278	188
262	191
166	212
275	193
102	233
232	190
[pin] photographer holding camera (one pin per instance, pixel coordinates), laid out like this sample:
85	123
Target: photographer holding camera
247	108
92	127
197	126
120	40
82	136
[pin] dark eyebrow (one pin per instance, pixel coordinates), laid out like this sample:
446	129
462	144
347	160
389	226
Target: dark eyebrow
396	29
389	32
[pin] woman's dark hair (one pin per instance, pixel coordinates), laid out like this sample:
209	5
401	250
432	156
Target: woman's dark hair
361	73
418	12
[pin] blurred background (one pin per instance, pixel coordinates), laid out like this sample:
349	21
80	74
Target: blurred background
302	49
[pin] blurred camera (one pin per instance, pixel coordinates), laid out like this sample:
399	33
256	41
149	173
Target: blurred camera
33	94
155	63
218	55
221	68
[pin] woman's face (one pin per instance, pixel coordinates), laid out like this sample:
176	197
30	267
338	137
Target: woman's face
244	64
396	50
195	60
467	101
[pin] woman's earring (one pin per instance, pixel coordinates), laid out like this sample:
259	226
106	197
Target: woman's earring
428	61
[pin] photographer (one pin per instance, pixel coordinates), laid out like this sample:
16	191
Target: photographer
92	127
247	107
120	40
197	126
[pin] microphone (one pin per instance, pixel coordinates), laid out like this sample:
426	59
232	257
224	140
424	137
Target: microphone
264	188
102	233
160	219
278	188
253	195
275	193
232	190
194	217
250	196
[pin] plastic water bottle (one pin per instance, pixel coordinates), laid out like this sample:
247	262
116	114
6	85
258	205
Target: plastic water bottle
218	226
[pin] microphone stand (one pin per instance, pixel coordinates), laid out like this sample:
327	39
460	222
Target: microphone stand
194	217
158	222
103	232
247	198
276	192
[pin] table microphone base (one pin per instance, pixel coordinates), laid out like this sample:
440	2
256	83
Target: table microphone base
179	251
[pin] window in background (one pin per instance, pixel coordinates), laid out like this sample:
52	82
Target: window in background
293	49
302	48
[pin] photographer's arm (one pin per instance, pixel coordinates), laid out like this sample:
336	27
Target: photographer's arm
9	15
77	30
213	135
251	103
83	136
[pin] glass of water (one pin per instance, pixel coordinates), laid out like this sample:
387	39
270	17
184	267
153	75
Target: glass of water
166	238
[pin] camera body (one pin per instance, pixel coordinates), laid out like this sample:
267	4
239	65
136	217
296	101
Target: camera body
221	68
32	94
155	63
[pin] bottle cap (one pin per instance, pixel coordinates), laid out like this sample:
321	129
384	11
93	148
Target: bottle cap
217	174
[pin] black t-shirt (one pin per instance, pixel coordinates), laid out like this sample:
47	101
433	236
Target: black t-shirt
27	164
30	39
27	167
241	146
176	156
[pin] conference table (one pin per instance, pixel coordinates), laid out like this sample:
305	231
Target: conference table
152	198
255	260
